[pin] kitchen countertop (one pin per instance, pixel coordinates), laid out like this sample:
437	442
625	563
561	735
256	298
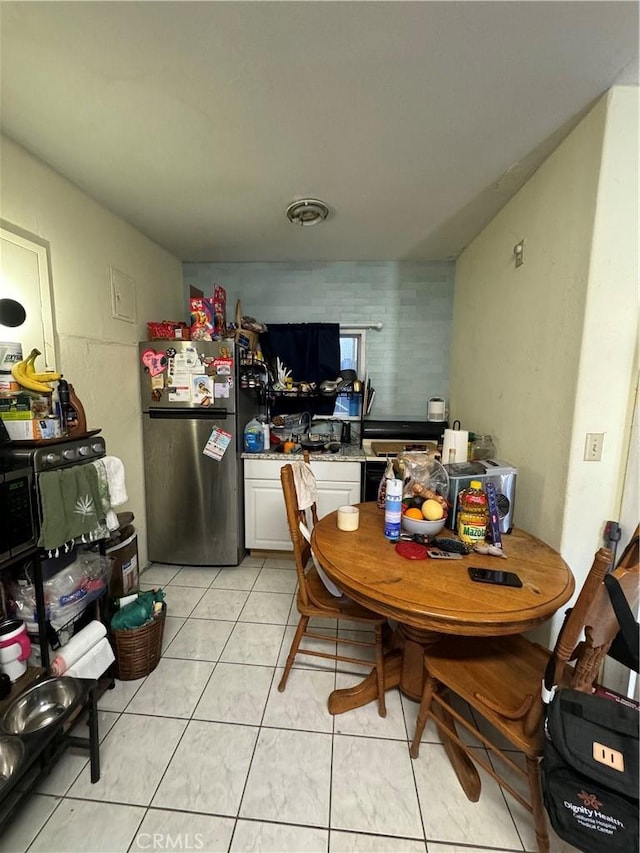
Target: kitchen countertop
347	453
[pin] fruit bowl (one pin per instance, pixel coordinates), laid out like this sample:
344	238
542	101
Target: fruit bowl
427	528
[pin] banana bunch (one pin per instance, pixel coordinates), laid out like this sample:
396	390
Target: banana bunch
24	373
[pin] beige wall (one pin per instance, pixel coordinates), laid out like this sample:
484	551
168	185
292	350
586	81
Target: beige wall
544	353
97	353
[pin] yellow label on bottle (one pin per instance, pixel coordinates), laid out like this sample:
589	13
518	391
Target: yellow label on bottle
471	529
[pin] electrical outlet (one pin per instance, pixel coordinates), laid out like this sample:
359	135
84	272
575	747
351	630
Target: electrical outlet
518	253
593	446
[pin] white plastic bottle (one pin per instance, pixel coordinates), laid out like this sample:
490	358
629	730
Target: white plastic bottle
56	410
266	432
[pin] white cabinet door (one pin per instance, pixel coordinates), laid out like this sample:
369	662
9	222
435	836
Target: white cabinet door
265	518
333	495
265	515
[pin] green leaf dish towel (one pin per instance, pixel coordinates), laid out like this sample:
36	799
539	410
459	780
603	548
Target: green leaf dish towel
72	507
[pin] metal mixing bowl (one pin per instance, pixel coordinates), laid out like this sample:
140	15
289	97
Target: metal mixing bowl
11	754
41	705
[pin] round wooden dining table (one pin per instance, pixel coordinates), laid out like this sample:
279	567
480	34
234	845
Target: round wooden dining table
429	597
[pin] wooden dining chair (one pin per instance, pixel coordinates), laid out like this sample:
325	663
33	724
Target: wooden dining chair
501	680
313	599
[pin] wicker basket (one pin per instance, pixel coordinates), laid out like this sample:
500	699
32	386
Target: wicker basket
138	650
168	330
245	338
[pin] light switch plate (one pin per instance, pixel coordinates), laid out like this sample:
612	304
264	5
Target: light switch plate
593	446
123	296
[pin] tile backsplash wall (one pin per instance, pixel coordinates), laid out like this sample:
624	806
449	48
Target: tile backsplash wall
408	361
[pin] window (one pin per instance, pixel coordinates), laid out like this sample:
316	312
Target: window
352	357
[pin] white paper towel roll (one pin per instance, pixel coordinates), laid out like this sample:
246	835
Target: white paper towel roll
95	662
78	646
455	447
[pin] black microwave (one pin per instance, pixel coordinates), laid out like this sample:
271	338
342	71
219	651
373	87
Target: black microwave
18	530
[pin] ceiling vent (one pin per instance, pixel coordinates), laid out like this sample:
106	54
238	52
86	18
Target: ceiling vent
307	211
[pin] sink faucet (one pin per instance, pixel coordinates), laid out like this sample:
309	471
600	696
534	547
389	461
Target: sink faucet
305	420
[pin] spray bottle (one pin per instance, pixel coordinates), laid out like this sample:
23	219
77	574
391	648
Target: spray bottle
393	510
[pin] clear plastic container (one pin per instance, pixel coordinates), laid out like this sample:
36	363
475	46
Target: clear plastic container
389	474
482	447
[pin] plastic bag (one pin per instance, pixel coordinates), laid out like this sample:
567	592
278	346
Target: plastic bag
138	612
389	474
423	476
66	594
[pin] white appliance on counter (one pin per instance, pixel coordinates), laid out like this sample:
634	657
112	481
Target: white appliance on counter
501	474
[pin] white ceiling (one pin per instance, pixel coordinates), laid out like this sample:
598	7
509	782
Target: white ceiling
199	122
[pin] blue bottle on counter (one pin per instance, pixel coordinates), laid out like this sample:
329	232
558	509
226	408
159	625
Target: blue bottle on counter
254	437
393	510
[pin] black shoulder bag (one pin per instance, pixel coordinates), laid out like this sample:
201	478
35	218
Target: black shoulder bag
590	754
626	643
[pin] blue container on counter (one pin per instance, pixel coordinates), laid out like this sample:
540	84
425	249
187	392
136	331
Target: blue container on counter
254	437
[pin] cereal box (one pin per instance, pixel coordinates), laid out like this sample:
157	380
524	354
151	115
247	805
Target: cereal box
208	316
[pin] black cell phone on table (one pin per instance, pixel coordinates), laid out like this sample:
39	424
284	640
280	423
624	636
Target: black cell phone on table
494	576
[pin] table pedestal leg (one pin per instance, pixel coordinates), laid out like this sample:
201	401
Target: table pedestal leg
414	642
367	691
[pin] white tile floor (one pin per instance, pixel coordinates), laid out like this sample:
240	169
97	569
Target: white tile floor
205	755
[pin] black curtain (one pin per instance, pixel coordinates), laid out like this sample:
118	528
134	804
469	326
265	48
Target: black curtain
311	351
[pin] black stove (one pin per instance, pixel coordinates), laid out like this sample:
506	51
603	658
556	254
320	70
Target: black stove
403	430
382	440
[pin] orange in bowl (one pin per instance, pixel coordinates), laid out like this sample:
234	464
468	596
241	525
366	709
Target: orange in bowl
413	512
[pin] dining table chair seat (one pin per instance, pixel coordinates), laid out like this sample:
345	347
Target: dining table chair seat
333	608
501	676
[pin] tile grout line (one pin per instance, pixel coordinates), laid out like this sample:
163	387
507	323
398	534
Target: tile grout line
255	744
35	837
413	776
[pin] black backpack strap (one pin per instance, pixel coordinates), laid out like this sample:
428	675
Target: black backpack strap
629	628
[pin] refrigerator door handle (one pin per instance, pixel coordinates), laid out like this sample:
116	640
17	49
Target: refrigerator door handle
189	414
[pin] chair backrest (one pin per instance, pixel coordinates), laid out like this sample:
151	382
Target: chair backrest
601	623
295	516
631	554
594	615
568	643
575	623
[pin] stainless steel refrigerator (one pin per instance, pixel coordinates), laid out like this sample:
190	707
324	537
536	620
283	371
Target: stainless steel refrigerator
192	405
